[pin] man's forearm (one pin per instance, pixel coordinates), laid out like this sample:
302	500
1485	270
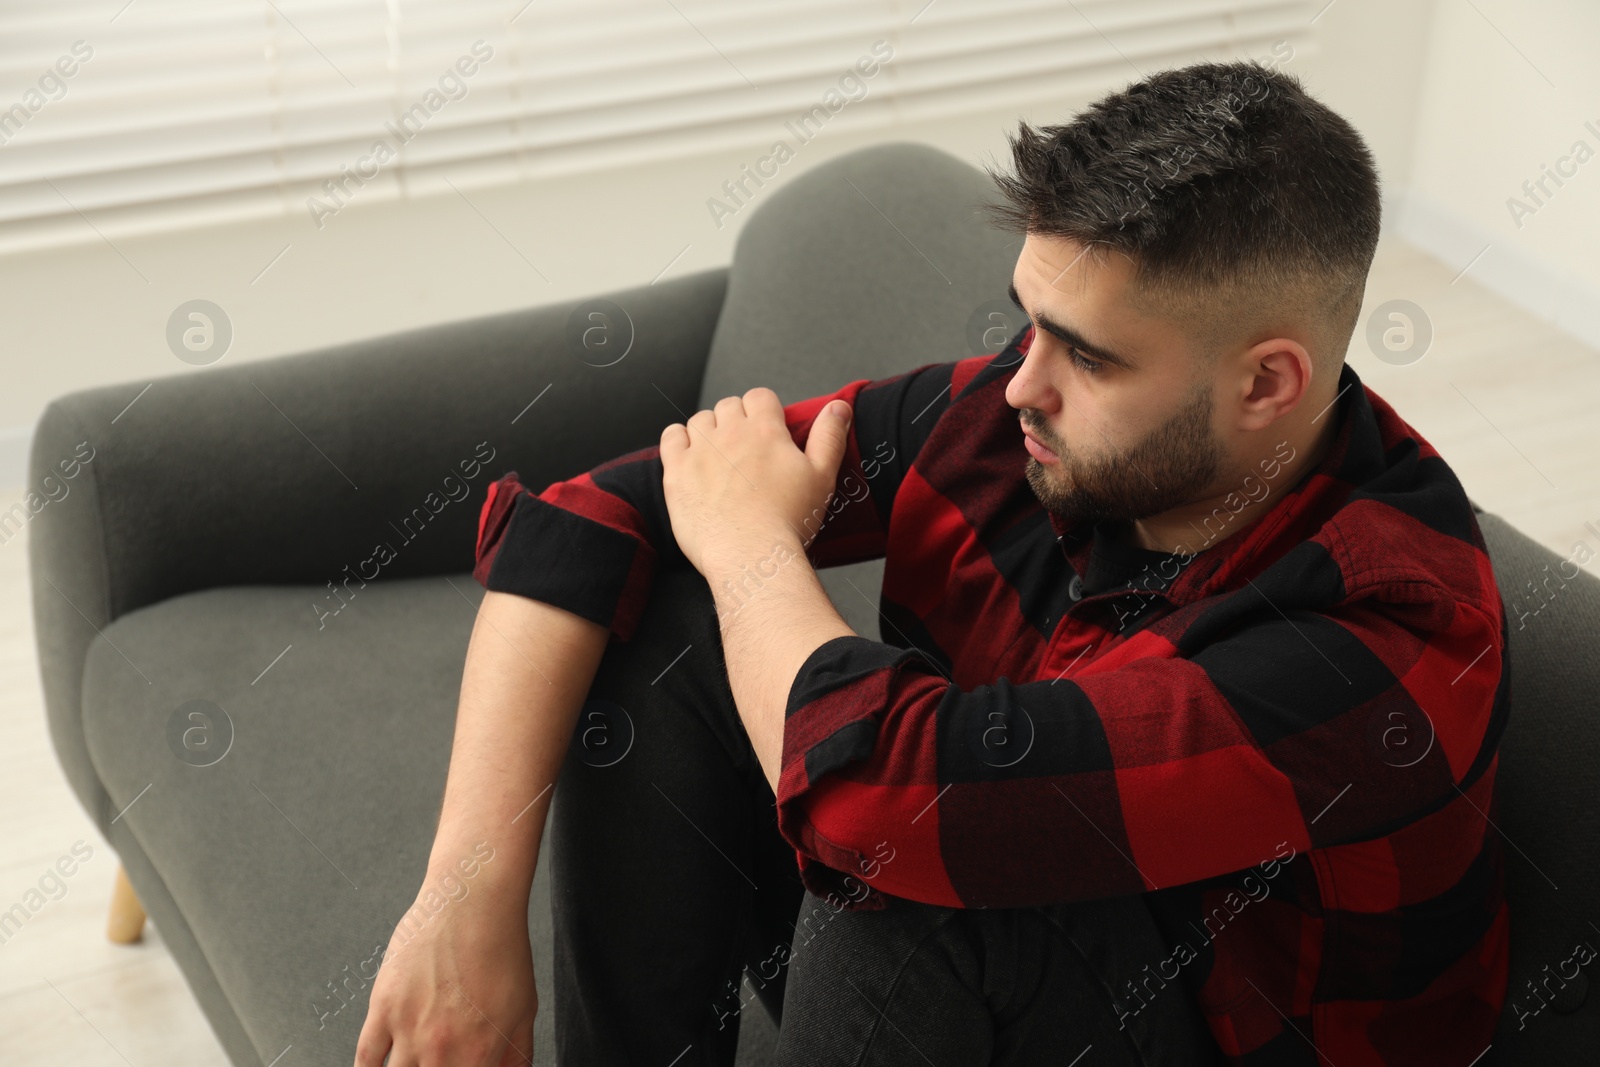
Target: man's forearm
770	625
529	667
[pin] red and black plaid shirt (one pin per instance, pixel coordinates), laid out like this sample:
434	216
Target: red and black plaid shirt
1284	735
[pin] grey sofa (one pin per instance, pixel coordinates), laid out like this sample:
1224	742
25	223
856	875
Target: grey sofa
224	513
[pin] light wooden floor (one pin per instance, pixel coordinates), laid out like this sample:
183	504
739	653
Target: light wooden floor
1508	401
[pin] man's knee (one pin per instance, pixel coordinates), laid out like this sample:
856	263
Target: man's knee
680	603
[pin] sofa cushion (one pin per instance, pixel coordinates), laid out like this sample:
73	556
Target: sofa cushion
294	846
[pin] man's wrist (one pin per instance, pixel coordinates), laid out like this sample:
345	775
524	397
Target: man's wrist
481	873
738	569
750	550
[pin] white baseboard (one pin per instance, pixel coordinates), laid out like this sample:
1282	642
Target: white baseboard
1546	292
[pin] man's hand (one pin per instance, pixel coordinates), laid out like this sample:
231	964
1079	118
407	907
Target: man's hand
459	991
734	480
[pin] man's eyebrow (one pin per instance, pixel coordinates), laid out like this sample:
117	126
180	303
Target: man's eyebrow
1071	336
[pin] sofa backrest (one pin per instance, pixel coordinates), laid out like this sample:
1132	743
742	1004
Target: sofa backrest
862	267
1549	797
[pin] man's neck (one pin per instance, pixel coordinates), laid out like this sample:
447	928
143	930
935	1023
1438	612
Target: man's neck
1185	529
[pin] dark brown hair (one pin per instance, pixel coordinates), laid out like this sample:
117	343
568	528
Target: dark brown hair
1233	191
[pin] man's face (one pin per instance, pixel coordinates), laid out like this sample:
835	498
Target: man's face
1122	442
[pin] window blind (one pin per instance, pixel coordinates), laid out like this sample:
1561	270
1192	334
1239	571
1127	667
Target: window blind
121	118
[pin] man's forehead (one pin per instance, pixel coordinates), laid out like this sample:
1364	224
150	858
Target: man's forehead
1065	265
1057	273
1087	296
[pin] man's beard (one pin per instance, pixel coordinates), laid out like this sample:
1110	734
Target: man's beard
1174	464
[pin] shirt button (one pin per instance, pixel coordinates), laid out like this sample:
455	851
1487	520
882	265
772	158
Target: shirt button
1570	997
1075	588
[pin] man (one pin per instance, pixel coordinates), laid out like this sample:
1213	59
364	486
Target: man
1181	739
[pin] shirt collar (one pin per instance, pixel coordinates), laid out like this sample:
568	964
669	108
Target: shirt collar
1219	557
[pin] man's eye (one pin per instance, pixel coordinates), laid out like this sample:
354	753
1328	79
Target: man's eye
1088	366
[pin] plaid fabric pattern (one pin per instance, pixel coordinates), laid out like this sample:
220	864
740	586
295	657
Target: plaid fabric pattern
1284	735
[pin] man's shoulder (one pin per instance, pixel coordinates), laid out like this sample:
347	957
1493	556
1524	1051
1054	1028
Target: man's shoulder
1406	525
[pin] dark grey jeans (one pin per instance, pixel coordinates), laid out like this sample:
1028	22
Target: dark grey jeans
669	880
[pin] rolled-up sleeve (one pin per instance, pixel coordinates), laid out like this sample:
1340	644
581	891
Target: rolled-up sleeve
574	546
1151	767
591	544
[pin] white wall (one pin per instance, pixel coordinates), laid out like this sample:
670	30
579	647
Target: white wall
95	313
1510	88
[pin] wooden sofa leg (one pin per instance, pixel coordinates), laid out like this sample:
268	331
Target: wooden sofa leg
126	924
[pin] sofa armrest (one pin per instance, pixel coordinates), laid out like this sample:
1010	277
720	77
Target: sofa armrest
292	469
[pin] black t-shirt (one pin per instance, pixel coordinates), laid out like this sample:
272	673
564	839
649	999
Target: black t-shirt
1116	562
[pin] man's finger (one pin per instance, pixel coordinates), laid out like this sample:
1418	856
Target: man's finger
373	1044
829	437
702	422
519	1050
761	401
674	439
